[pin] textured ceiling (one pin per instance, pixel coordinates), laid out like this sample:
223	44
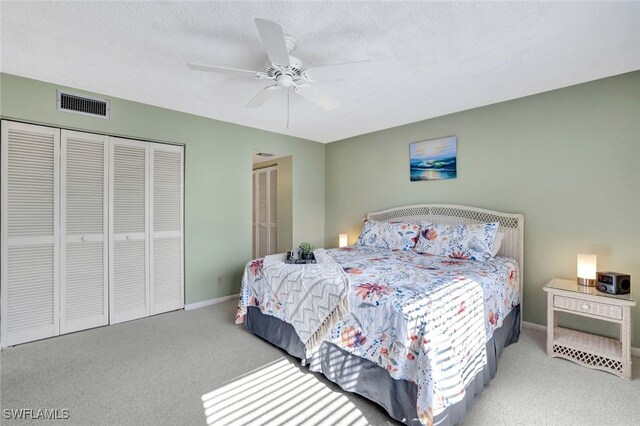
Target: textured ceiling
429	59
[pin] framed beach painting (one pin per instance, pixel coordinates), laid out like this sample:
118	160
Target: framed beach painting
433	160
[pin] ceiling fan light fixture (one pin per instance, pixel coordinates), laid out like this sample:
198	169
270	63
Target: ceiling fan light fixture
285	80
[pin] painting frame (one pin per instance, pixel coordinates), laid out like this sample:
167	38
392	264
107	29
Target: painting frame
433	159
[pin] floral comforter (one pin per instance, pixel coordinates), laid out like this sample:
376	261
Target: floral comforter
426	319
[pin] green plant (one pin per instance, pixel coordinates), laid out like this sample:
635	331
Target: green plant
306	248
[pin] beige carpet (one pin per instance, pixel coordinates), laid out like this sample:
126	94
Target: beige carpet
198	368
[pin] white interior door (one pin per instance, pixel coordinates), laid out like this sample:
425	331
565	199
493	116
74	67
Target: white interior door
84	229
272	221
167	270
30	232
254	216
129	230
265	211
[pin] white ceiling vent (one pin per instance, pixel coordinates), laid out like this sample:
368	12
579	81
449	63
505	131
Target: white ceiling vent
81	104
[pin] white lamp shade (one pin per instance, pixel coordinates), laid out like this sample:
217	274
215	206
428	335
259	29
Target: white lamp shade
343	240
587	266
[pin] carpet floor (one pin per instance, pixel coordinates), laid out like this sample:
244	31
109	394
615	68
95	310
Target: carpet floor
198	368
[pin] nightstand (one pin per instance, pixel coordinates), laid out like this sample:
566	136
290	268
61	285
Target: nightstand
586	349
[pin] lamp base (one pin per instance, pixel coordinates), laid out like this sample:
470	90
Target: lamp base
587	282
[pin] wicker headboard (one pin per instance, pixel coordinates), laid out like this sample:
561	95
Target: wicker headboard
448	214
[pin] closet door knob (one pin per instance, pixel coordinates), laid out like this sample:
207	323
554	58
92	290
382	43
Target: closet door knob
128	237
84	238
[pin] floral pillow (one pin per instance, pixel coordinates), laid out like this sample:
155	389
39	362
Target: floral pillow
474	241
390	235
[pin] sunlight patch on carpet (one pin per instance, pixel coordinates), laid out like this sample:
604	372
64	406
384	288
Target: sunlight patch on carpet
279	394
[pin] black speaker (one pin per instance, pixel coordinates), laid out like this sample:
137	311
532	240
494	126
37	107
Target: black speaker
613	283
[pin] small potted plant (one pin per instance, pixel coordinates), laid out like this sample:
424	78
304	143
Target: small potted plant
306	250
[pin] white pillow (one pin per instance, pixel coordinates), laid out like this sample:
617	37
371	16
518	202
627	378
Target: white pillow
497	243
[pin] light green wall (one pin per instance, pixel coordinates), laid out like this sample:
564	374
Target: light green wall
217	182
568	159
284	203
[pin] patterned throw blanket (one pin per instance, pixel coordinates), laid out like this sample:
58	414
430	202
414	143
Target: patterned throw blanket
313	297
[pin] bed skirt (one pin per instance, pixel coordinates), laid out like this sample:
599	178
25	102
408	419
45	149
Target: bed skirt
355	374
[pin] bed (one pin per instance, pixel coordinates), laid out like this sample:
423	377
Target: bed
423	334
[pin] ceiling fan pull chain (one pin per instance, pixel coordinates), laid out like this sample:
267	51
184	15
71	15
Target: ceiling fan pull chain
288	95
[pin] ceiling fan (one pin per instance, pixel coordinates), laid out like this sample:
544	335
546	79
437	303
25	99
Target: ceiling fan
286	71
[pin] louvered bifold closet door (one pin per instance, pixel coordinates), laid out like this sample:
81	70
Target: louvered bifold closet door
128	230
30	232
262	213
166	205
84	224
265	210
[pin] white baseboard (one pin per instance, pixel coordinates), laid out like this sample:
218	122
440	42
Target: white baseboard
538	327
210	302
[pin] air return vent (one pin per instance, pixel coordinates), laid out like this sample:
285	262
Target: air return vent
81	104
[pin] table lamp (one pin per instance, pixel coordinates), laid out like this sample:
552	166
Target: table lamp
587	270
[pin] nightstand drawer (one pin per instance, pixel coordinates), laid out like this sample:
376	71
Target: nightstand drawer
593	308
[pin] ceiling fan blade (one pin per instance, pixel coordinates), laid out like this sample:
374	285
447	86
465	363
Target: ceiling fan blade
317	96
262	97
273	42
223	70
323	72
